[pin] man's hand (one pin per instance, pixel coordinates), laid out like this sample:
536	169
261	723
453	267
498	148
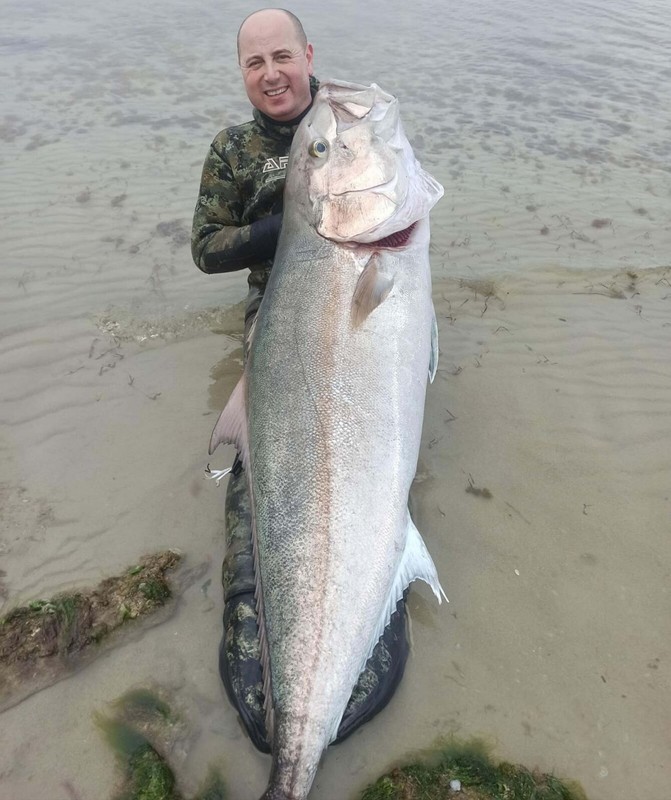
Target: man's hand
263	236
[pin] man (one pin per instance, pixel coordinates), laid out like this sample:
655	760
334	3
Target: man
236	225
238	213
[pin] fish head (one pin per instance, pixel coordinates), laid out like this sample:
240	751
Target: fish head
352	169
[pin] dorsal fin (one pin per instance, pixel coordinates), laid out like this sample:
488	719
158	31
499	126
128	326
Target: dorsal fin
231	427
415	564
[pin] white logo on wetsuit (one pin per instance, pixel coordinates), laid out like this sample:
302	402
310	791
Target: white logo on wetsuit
273	164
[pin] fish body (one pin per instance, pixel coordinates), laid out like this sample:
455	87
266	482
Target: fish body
328	416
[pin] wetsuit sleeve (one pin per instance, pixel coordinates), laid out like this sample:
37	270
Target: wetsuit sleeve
219	242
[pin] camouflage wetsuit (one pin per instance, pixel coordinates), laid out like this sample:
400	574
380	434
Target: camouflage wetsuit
238	214
236	225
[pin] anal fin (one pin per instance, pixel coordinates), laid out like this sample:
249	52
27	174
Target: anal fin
416	564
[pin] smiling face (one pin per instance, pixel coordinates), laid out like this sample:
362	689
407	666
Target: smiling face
276	65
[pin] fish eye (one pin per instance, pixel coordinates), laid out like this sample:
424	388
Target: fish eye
318	148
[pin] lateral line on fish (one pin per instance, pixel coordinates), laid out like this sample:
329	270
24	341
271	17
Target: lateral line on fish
315	405
309	256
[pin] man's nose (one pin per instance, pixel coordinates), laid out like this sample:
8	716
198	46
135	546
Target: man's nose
271	71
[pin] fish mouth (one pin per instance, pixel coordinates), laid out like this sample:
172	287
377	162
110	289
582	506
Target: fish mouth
392	241
396	239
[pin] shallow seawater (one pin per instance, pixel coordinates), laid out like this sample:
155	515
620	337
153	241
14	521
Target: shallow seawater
550	127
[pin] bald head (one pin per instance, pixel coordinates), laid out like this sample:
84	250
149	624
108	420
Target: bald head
276	62
270	15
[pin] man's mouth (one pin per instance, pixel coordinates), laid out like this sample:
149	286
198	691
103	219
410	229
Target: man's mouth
276	92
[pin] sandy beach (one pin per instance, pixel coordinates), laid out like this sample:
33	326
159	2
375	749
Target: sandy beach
544	483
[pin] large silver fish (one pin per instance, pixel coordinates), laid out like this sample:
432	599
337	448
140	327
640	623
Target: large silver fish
328	415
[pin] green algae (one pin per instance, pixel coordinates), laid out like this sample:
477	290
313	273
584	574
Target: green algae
146	775
143	731
478	777
155	590
48	639
145	703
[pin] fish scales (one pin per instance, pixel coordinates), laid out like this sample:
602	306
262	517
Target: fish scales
333	396
333	411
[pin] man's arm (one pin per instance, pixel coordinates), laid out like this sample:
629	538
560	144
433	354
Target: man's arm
219	242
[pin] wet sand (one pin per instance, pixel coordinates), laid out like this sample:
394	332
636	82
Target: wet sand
543	484
543	494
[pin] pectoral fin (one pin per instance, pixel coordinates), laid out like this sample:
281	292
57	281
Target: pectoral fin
371	290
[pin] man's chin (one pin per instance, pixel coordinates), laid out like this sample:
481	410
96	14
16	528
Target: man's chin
280	111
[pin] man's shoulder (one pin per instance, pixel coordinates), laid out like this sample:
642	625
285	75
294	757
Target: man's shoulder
237	134
250	150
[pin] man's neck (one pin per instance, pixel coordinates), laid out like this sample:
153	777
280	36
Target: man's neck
286	122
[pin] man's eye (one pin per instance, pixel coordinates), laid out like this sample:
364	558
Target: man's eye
284	57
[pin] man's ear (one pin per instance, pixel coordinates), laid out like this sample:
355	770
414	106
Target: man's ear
309	54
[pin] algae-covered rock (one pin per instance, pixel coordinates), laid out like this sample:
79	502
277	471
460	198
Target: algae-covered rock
147	734
466	771
46	640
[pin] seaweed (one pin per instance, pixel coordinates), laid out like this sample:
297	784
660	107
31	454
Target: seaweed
466	771
44	640
143	731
